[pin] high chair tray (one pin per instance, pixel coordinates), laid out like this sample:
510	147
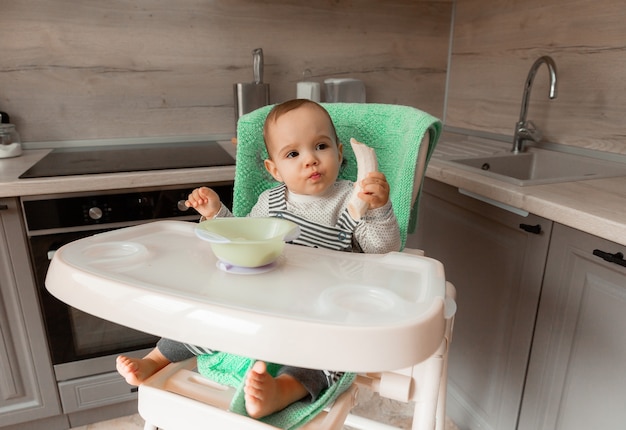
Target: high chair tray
313	308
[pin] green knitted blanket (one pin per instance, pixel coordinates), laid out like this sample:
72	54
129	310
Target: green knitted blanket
394	131
231	369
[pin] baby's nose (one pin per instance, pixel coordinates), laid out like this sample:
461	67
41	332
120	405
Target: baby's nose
311	160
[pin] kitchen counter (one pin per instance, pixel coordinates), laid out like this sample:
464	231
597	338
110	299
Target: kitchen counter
596	206
12	168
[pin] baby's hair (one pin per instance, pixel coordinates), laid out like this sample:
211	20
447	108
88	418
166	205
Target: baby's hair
282	108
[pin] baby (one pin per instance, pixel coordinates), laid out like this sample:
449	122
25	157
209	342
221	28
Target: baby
305	156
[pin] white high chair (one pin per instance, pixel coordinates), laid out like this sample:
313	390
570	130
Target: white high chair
390	129
178	398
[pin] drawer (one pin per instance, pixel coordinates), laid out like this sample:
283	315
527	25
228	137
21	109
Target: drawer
95	391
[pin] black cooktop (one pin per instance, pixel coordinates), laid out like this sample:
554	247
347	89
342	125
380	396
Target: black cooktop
129	158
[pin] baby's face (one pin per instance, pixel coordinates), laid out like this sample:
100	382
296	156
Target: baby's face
303	151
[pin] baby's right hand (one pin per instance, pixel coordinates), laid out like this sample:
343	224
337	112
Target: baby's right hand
205	201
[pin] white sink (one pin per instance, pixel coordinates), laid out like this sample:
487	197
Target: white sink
538	166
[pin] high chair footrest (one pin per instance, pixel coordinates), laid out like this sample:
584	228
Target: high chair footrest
198	400
171	411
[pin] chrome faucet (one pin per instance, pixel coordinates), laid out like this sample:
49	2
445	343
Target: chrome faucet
524	129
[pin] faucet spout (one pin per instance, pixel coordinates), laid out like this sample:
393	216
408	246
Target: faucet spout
525	130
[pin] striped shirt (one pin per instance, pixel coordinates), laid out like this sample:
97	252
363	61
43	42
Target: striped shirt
376	233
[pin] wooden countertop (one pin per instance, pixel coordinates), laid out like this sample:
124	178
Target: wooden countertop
595	206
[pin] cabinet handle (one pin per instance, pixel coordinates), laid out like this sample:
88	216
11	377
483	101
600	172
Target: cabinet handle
617	258
534	229
3	207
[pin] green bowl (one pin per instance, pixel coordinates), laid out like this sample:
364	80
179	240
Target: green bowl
247	242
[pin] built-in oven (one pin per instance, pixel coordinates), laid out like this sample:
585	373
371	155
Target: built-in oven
83	348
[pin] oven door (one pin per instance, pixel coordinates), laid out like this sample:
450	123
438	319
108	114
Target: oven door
72	334
83	347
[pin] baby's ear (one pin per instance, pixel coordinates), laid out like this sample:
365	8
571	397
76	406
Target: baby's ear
270	166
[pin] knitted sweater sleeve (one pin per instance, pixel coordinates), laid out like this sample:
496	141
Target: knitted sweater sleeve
378	232
262	206
224	212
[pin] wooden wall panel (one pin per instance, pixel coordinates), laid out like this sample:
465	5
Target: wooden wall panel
496	41
102	69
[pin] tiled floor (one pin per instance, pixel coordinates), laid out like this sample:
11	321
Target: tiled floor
370	405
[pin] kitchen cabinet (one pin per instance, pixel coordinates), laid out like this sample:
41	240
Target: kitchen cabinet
27	387
577	371
496	260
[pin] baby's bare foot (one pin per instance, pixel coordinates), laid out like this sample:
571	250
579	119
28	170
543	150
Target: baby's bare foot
136	370
265	394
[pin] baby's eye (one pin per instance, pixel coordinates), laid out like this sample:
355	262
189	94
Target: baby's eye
291	154
320	146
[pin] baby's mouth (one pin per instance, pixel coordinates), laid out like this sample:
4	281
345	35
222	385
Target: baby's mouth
315	175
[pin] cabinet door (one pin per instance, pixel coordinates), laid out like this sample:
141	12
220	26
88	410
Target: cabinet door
497	268
27	387
577	372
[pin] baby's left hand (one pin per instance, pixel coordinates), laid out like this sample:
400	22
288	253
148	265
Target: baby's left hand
374	190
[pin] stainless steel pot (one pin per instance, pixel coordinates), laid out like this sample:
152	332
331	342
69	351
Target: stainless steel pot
252	95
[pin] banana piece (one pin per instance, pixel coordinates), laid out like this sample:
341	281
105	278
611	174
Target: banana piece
366	162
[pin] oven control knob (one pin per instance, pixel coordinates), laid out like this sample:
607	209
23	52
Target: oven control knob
95	213
181	206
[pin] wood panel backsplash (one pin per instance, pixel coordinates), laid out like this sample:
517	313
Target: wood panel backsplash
73	70
496	41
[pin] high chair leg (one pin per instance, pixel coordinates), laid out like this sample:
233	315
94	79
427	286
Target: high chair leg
441	410
429	378
441	404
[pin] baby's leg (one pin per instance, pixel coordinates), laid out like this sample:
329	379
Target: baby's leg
265	394
137	370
